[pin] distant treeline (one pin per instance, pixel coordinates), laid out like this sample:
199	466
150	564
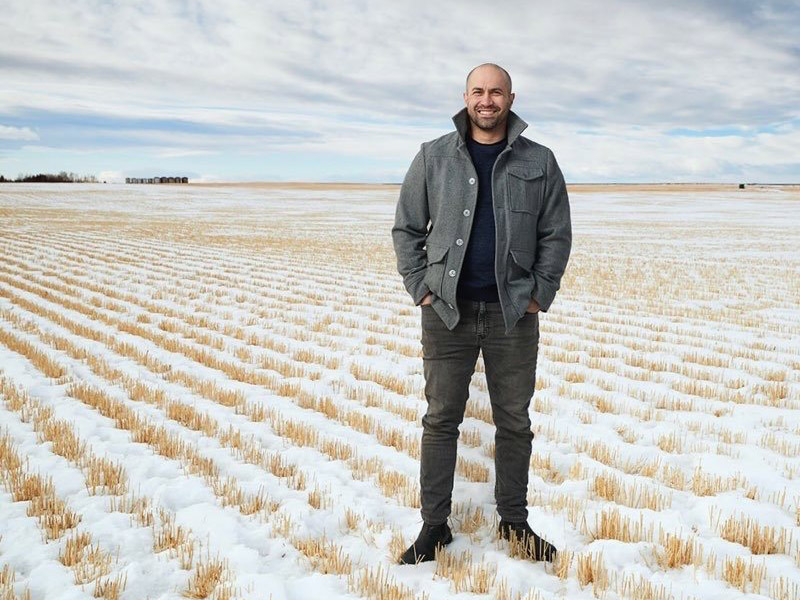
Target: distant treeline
62	177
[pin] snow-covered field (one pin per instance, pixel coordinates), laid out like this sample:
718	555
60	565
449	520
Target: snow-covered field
217	392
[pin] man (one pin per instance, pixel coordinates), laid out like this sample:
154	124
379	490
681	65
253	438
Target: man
498	244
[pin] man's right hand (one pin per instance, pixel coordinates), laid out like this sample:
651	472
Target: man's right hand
427	299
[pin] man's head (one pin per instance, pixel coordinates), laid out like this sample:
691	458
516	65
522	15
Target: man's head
488	98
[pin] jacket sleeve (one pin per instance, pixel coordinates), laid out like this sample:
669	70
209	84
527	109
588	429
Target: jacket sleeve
554	232
410	228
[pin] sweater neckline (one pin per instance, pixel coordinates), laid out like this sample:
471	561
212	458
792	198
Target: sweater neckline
492	145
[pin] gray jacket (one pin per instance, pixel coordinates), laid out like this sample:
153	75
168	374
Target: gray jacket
531	213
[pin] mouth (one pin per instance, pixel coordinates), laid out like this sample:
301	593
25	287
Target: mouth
486	113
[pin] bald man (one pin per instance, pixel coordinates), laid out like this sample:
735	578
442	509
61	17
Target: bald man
493	257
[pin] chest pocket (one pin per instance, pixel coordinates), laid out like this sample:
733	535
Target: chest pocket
525	186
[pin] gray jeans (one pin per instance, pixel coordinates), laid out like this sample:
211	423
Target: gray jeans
449	359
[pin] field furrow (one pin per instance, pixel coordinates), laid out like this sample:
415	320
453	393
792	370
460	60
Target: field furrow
230	408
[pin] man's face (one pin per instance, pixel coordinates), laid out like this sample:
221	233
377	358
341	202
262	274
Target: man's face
488	99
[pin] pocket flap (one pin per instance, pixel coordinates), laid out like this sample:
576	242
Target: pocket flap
523	258
436	253
525	170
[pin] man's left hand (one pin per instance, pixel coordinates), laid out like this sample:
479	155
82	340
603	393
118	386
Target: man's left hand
533	306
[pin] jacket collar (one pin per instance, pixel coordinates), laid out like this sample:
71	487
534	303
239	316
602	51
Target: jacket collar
514	123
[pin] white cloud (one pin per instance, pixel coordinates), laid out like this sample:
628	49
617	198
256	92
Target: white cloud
17	133
181	152
599	82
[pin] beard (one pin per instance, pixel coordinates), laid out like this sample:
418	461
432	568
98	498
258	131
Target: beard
487	123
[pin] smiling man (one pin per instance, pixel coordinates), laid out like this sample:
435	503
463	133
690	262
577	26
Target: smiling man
498	244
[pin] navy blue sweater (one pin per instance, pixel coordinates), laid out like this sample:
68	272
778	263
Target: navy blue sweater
477	280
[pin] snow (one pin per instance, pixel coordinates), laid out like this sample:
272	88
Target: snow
656	276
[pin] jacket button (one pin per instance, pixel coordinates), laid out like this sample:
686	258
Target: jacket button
466	212
459	242
472	181
450	305
452	273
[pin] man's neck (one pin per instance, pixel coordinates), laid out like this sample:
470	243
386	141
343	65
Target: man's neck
487	137
492	144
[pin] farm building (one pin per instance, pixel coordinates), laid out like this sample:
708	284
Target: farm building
156	180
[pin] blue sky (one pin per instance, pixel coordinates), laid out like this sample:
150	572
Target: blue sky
346	91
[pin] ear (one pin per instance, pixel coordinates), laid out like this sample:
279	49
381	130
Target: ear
511	95
465	99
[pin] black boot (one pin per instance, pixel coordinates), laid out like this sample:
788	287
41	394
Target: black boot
533	546
424	548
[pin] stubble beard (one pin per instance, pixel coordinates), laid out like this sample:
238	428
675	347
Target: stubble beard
488	123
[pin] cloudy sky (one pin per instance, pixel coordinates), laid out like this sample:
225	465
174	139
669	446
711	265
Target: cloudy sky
347	90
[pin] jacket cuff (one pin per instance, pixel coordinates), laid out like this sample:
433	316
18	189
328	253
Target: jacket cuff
543	293
422	294
415	285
